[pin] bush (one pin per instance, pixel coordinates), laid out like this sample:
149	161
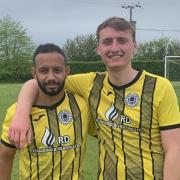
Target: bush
23	72
83	67
10	72
156	67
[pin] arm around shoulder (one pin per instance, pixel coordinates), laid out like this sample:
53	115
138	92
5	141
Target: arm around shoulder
27	97
19	131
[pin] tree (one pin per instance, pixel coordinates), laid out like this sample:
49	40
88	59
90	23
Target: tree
16	46
173	48
157	49
82	48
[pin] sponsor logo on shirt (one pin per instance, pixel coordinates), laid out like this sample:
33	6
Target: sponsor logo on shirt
49	140
117	125
111	113
116	120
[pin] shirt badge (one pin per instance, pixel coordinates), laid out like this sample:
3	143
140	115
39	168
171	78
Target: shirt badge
132	99
65	117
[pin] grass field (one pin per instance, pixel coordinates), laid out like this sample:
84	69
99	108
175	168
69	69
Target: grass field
177	89
8	94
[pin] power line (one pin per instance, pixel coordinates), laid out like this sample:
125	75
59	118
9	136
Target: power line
129	7
96	2
167	30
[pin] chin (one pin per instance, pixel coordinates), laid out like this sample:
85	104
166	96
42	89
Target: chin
116	64
54	93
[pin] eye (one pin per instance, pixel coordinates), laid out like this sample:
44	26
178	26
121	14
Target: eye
122	40
43	71
57	70
107	41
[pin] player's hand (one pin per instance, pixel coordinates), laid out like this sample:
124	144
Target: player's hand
20	132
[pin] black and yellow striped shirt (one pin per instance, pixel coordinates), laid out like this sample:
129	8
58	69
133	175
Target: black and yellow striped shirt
129	120
59	144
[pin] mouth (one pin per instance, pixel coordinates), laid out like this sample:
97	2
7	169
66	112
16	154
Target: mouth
116	56
51	85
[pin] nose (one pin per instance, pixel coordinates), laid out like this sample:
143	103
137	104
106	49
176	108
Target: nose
115	46
50	75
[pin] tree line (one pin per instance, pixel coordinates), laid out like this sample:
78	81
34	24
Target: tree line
17	47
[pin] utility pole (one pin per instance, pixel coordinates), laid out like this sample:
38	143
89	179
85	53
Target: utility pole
131	7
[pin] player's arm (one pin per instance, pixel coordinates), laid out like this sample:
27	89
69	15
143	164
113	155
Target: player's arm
6	161
171	146
80	84
169	120
20	129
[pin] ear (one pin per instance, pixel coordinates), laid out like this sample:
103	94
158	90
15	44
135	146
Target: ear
34	72
135	47
97	50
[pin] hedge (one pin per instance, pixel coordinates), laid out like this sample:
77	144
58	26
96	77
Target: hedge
156	67
23	72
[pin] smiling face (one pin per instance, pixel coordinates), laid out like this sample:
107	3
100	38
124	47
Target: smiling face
116	47
50	72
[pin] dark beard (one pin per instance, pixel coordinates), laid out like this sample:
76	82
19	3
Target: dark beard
50	93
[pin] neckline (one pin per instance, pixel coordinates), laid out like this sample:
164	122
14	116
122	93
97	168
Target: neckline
52	106
128	84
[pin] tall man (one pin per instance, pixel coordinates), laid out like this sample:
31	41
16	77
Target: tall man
136	112
59	122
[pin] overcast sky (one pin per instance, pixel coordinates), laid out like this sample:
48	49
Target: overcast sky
58	20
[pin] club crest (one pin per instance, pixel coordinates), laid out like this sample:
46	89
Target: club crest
132	99
65	117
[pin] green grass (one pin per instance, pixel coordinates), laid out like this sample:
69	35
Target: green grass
177	89
8	95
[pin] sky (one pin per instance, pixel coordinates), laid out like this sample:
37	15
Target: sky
55	21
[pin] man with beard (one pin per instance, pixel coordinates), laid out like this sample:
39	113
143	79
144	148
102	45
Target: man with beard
136	112
59	122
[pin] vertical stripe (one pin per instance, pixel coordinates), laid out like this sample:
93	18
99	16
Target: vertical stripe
52	120
34	146
30	163
60	152
77	129
98	172
110	161
95	94
94	99
146	114
119	105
